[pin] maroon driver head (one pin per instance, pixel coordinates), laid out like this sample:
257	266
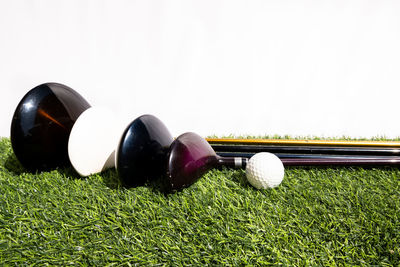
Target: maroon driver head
190	156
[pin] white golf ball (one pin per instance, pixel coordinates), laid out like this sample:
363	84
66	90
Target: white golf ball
264	170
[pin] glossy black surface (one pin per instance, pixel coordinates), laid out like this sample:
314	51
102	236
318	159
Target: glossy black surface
142	151
190	157
42	123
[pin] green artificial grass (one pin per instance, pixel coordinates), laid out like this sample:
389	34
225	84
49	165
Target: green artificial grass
317	216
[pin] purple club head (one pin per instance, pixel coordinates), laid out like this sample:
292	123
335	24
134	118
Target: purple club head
190	156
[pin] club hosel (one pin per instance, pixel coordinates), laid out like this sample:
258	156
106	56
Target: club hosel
232	162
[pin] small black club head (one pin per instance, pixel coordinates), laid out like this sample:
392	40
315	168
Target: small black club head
142	151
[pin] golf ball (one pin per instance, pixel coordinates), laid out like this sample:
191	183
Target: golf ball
264	170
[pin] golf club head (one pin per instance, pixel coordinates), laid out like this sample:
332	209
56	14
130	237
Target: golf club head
42	123
93	140
142	151
190	157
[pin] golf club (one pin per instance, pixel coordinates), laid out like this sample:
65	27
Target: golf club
306	156
325	160
191	156
233	141
296	159
42	123
303	149
364	162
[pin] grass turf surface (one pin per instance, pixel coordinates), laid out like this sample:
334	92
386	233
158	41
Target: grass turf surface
317	216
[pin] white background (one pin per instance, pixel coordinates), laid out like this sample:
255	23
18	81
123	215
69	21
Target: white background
300	67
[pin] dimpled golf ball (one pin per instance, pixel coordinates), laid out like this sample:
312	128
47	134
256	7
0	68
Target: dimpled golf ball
264	170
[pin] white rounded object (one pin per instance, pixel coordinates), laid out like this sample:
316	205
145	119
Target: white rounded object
93	140
264	170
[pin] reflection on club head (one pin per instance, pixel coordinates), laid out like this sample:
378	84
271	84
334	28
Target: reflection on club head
190	156
42	123
142	151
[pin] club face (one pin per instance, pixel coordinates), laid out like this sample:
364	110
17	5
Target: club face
42	123
189	158
142	151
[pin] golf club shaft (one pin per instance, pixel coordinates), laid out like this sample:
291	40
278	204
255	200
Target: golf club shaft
341	162
232	161
235	141
333	150
241	162
305	156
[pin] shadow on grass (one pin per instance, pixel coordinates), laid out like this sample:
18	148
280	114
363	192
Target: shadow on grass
69	172
159	185
110	179
13	165
238	176
110	176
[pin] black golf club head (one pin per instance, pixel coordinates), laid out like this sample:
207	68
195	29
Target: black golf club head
142	151
42	123
190	157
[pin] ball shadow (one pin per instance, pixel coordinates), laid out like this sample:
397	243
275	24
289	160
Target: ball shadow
238	176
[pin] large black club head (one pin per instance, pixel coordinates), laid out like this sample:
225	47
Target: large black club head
42	123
